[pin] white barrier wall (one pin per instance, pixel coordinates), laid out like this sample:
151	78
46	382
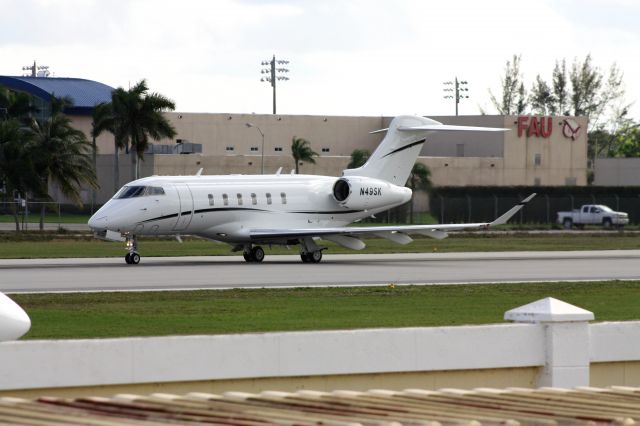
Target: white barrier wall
562	348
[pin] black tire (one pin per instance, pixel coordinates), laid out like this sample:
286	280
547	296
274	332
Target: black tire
127	258
316	256
247	256
135	258
606	222
305	257
257	253
567	223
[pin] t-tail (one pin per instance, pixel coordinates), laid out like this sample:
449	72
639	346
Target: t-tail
397	153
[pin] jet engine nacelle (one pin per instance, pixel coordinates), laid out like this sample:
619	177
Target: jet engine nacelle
364	193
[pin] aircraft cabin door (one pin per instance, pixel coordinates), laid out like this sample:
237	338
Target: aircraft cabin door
186	207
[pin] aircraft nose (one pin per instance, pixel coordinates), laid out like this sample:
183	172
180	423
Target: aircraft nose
98	222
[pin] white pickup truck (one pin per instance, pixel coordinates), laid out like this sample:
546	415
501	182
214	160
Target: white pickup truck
592	214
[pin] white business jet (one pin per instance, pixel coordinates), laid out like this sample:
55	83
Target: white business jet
247	211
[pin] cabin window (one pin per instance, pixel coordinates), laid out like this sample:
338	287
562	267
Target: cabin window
239	199
254	199
283	196
278	149
254	148
225	199
230	149
325	149
268	198
210	199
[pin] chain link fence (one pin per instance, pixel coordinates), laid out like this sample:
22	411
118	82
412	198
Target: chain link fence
28	214
543	209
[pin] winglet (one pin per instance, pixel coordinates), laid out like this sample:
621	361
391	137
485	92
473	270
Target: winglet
515	209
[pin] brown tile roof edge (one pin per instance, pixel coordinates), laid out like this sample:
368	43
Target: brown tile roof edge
615	405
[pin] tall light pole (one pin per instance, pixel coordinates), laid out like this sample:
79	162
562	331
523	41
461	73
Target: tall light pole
261	149
458	86
273	74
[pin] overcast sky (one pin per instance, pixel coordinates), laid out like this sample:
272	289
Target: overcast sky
348	57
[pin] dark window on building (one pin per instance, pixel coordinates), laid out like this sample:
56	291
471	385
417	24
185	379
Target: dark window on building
325	149
278	149
254	148
230	148
537	160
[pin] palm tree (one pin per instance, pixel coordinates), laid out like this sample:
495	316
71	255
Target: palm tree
358	158
15	105
301	151
17	171
61	154
136	117
419	179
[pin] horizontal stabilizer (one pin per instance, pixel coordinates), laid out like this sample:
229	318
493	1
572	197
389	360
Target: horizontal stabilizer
450	128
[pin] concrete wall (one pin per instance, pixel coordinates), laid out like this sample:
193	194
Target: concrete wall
617	171
467	356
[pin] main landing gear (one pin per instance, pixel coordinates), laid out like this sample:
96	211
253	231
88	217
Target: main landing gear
309	251
132	257
253	254
311	257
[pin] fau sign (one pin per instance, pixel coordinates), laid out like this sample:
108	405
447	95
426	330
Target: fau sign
535	126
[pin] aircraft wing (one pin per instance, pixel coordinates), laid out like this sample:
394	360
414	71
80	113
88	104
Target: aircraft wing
348	235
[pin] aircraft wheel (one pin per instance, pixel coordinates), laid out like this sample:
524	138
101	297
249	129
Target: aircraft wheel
305	257
247	256
315	256
127	258
257	253
134	258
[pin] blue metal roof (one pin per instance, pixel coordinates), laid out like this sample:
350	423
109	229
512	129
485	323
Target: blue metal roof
86	94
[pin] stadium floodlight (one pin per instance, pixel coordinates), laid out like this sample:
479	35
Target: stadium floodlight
274	74
458	87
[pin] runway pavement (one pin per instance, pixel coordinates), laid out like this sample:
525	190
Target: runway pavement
104	274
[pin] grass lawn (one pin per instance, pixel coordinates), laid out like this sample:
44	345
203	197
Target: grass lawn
92	315
36	245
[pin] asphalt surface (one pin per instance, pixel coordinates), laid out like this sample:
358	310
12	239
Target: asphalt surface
162	273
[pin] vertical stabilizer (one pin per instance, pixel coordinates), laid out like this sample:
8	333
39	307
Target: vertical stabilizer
395	156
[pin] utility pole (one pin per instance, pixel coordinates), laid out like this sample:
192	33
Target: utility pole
458	86
273	74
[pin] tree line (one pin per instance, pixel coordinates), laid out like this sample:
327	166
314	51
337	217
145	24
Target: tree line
37	151
583	89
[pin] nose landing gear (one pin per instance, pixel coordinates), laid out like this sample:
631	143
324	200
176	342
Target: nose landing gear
132	257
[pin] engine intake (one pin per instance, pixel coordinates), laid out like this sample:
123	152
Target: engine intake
365	193
341	190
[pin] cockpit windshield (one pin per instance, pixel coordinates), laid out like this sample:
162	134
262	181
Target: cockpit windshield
139	191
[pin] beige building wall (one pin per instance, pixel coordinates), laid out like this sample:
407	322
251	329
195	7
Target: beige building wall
454	158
